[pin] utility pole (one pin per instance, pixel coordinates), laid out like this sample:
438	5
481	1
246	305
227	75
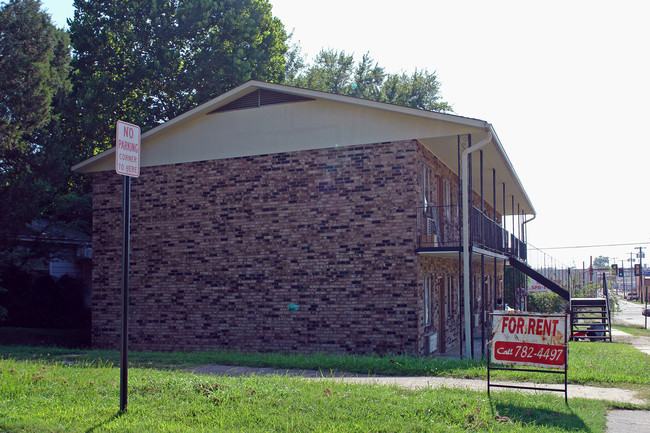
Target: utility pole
616	275
623	267
631	271
641	279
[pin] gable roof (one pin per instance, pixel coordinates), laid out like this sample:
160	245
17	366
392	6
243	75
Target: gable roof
261	118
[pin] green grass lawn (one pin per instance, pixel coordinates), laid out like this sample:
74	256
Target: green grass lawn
636	330
590	363
41	396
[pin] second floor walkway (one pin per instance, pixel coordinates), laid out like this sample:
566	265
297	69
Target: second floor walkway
439	229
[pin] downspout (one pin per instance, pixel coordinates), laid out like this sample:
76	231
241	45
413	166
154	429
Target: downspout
466	252
525	230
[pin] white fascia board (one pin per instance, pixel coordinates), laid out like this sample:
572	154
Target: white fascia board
86	165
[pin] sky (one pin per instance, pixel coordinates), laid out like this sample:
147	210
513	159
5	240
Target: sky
564	84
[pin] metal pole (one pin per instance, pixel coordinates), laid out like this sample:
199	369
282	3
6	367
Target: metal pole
470	227
483	238
460	255
623	272
126	225
641	282
494	202
466	188
631	271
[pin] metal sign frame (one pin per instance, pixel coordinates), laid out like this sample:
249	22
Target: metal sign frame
528	322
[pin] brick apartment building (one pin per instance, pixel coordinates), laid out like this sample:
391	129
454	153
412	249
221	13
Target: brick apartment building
275	218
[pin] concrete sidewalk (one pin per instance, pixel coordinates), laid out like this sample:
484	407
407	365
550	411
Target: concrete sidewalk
628	421
574	391
639	343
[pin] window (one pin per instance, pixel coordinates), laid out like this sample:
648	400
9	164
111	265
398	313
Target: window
447	203
427	301
450	283
426	186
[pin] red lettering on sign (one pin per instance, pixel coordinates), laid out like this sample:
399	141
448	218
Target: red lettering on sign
520	325
535	326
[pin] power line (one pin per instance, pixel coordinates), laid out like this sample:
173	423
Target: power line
594	246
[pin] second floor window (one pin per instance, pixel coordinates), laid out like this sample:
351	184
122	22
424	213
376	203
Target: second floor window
426	187
447	202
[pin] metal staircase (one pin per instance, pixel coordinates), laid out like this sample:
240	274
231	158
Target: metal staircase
591	317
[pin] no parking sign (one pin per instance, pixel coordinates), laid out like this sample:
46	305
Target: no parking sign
127	149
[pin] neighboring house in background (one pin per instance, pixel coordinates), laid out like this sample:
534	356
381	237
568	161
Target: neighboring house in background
275	218
61	251
69	250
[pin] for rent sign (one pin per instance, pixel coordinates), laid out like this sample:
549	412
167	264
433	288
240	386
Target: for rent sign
537	340
127	149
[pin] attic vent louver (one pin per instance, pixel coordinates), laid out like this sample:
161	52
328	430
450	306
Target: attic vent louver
260	98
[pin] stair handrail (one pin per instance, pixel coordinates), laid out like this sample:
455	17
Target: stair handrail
609	317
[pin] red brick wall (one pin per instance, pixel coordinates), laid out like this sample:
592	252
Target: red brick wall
221	248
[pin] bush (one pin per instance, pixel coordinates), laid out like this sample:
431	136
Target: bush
546	302
40	301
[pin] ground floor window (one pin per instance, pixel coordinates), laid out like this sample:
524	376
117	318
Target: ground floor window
427	301
450	285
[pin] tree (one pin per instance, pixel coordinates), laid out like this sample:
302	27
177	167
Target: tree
34	64
600	262
421	90
33	67
337	72
146	62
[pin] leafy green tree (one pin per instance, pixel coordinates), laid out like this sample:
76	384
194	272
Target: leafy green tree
337	72
294	60
421	90
35	181
600	262
148	61
34	64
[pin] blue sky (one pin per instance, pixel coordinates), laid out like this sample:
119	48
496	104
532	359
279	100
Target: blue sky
564	83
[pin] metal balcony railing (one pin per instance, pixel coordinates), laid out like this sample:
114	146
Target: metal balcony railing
440	227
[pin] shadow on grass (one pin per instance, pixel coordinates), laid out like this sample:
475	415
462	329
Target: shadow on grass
103	423
565	420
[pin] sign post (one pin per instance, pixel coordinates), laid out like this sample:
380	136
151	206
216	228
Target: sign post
531	340
127	163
